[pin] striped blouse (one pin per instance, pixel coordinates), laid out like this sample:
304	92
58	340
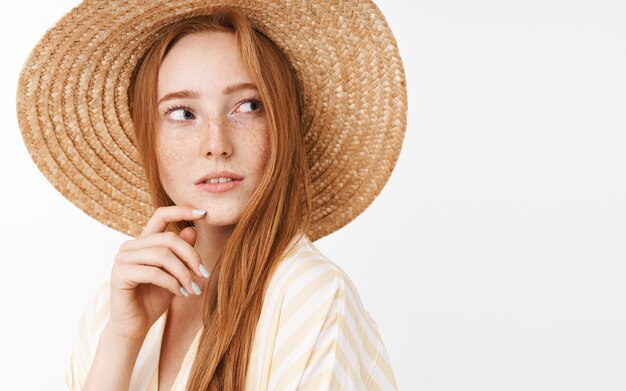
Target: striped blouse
313	334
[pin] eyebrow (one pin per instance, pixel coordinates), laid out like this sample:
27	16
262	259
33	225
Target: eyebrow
192	94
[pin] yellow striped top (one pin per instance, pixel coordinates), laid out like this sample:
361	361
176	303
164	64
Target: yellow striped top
313	334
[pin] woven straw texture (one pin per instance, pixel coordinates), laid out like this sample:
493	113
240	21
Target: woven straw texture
73	110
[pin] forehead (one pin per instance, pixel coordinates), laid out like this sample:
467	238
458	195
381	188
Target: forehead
205	61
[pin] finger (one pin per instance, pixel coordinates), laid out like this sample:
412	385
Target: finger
189	235
142	274
182	249
169	214
159	257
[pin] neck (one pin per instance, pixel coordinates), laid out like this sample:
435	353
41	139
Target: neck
210	241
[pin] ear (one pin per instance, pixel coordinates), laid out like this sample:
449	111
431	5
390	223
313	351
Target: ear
188	234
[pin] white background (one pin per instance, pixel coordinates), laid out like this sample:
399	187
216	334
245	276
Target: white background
494	259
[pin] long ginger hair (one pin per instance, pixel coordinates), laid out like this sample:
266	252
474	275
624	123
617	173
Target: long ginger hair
279	207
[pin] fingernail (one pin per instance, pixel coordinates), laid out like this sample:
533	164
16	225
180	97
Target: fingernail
198	211
196	288
184	291
204	272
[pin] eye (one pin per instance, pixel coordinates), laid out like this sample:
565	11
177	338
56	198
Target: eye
179	113
250	105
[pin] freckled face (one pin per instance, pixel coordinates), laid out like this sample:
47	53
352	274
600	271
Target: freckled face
220	126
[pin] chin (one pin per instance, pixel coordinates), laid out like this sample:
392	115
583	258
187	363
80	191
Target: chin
218	217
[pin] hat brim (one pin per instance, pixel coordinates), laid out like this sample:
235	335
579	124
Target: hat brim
74	116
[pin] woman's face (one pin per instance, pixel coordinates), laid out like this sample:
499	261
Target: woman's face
215	122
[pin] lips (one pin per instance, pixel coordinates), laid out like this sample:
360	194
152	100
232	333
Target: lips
219	174
218	187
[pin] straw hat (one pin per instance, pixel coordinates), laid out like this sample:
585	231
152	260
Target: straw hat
73	109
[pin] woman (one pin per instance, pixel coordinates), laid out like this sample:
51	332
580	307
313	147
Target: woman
221	287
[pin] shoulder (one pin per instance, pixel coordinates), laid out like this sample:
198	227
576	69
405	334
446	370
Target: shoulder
313	320
97	312
305	265
93	320
307	274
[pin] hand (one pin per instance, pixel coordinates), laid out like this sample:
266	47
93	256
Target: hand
149	271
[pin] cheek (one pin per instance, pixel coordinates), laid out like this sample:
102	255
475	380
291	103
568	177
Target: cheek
170	159
262	150
252	143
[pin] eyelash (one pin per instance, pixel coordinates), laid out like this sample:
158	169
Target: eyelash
184	107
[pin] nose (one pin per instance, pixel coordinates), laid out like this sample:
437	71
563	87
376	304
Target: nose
218	140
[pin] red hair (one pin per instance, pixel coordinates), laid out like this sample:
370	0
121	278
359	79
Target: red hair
279	207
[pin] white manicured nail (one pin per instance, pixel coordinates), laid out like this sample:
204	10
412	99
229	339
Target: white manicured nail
198	211
204	272
184	291
196	288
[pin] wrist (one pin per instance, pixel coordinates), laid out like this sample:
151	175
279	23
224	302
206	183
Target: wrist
113	335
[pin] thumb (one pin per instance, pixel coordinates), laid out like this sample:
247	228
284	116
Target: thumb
188	234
